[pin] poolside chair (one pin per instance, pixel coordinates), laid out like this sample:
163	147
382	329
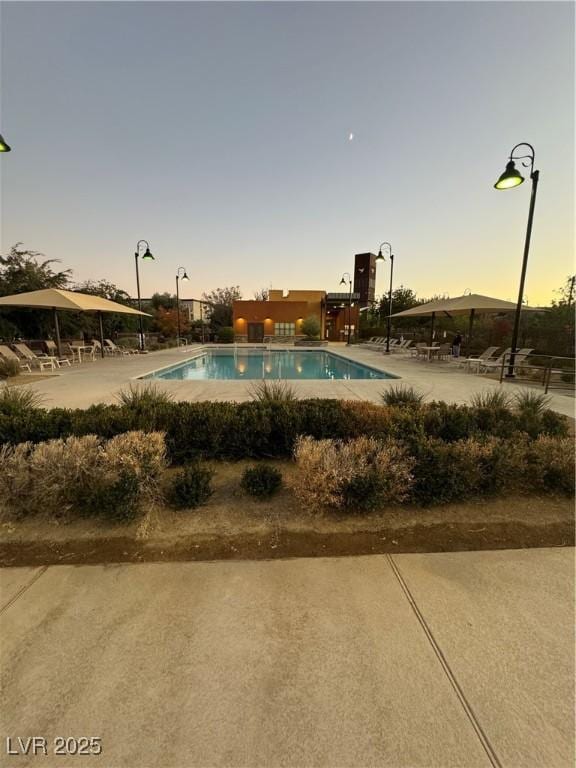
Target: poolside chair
402	346
52	350
416	350
492	365
114	349
40	361
475	360
444	351
8	354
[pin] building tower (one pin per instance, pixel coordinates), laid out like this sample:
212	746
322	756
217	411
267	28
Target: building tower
365	278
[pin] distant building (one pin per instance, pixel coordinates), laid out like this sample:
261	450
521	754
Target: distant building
282	315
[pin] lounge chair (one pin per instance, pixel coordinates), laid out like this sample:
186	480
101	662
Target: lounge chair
416	350
40	361
52	350
114	349
475	360
444	351
492	365
7	354
402	346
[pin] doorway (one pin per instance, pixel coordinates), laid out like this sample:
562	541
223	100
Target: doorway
256	332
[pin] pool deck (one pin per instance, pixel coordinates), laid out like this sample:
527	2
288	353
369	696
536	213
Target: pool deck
82	385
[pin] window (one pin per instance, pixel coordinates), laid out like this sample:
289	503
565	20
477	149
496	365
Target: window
284	329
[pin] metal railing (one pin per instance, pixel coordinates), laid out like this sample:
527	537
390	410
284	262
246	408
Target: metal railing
552	372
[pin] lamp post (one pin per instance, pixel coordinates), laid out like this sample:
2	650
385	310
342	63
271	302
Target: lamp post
146	256
512	178
343	282
380	257
178	278
4	146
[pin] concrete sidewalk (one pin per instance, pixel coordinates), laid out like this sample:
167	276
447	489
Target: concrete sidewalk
461	659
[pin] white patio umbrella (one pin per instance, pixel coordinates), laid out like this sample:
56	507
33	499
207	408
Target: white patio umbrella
59	299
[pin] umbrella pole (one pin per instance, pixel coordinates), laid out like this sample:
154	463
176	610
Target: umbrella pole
101	334
432	328
470	324
57	330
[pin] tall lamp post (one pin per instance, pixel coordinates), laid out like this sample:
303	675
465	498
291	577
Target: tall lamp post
146	256
343	282
380	257
178	278
512	178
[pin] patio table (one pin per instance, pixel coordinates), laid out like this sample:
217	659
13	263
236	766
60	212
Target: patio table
429	352
82	348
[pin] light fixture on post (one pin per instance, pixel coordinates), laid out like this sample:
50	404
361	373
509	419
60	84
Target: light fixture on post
179	277
4	146
343	282
146	256
380	257
509	179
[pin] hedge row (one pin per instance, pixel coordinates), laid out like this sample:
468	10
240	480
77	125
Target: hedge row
270	429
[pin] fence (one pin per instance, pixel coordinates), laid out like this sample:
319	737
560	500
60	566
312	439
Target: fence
552	372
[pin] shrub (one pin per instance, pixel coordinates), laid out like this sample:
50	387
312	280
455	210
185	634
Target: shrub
261	481
9	368
528	401
19	400
273	391
491	398
191	486
402	395
143	397
83	474
363	473
549	465
310	327
226	335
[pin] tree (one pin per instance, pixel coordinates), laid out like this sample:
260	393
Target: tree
311	327
112	323
261	295
164	300
21	271
220	310
166	321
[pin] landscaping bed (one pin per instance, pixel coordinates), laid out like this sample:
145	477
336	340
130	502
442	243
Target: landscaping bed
232	525
150	479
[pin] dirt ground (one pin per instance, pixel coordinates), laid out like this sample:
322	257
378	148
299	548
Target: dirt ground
232	525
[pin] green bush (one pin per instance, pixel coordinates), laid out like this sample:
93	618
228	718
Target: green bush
19	400
226	335
191	486
9	368
491	398
273	391
261	481
310	327
401	394
267	427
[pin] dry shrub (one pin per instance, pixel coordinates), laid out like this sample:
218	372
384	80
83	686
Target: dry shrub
15	477
85	474
364	473
549	464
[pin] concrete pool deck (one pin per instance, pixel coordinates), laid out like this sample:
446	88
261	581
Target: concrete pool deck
82	385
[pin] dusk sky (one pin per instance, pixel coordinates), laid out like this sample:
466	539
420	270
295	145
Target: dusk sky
264	144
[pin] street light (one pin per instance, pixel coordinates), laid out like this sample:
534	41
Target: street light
178	278
509	179
343	282
4	146
380	257
146	256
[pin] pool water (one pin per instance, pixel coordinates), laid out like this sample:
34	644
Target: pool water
264	364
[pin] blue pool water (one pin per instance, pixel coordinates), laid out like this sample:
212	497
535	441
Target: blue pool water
264	364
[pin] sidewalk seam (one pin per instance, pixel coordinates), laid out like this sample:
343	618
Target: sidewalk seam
484	740
25	588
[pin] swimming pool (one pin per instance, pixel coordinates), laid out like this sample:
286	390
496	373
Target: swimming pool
264	364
